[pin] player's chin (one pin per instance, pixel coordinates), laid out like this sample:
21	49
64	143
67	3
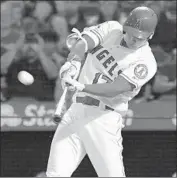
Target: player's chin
133	46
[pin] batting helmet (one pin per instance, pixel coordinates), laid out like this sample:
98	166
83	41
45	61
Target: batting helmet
141	22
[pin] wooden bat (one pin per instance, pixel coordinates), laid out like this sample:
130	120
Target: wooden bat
63	103
60	108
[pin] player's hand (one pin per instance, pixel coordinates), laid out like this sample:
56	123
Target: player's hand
74	83
69	86
70	68
69	71
64	69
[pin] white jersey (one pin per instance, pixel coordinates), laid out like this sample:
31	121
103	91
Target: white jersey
109	59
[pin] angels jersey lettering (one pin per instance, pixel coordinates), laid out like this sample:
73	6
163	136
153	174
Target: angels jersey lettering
105	58
109	59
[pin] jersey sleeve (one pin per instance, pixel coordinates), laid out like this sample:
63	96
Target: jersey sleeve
139	72
99	32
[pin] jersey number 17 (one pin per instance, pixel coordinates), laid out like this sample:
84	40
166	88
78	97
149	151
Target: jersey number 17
101	78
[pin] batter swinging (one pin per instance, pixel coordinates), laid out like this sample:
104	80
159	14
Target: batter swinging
117	65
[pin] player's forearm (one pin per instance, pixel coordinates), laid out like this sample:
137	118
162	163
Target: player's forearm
79	48
105	89
119	86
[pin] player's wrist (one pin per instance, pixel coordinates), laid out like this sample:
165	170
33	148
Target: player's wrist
79	86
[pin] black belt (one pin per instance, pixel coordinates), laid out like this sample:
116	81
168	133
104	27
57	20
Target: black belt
87	100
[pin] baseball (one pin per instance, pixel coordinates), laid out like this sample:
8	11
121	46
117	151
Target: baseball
25	78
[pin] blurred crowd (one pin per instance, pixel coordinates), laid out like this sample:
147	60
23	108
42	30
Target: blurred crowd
33	35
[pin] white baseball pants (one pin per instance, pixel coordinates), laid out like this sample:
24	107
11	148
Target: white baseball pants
87	130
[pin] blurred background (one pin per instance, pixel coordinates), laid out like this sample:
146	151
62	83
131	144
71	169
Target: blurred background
33	49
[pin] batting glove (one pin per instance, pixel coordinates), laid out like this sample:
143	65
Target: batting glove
74	83
64	69
64	84
71	68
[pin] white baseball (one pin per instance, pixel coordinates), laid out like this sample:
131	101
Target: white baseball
25	78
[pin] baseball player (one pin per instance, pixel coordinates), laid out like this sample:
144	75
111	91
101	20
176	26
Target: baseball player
118	62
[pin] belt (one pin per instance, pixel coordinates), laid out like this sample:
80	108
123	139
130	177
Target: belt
87	100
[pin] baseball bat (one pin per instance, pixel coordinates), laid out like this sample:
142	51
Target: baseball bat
60	107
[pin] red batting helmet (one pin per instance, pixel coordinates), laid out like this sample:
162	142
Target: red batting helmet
141	22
